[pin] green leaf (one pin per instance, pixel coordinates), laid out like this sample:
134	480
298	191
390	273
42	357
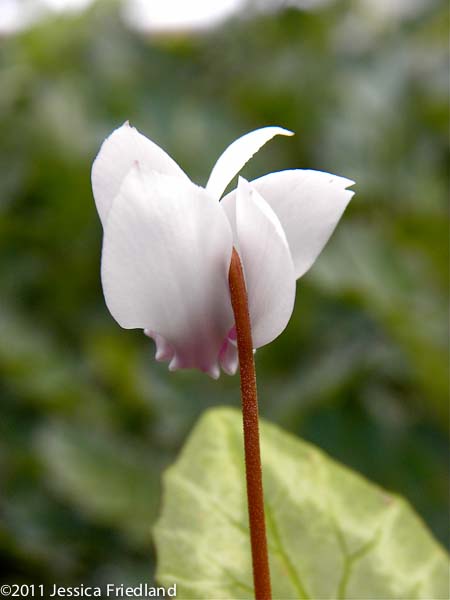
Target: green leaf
331	533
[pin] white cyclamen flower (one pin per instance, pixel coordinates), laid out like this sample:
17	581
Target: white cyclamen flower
167	244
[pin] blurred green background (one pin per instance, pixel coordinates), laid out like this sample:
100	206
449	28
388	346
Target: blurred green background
88	419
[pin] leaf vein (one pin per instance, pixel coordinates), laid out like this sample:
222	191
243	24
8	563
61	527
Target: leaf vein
349	561
278	547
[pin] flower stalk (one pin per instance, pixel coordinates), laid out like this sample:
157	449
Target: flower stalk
253	471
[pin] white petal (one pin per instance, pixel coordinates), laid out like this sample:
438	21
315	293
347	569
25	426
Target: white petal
118	153
166	254
236	155
309	205
266	260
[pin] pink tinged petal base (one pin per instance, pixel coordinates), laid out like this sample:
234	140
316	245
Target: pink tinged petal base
309	205
228	356
237	155
266	261
166	255
118	153
164	350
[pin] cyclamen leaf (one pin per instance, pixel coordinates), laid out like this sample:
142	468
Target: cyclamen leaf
331	533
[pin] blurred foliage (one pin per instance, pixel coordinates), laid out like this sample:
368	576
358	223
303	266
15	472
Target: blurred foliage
88	419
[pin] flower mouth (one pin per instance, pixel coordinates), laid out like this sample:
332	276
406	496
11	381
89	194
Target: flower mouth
191	356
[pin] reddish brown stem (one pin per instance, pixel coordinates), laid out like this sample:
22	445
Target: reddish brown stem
239	301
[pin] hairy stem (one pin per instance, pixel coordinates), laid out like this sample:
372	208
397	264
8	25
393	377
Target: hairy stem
260	561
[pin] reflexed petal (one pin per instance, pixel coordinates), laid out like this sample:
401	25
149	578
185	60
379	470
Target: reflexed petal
309	205
236	155
118	153
266	260
166	254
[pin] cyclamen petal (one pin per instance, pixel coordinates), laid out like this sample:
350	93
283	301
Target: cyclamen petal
123	148
237	155
266	261
228	356
309	205
165	260
164	350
